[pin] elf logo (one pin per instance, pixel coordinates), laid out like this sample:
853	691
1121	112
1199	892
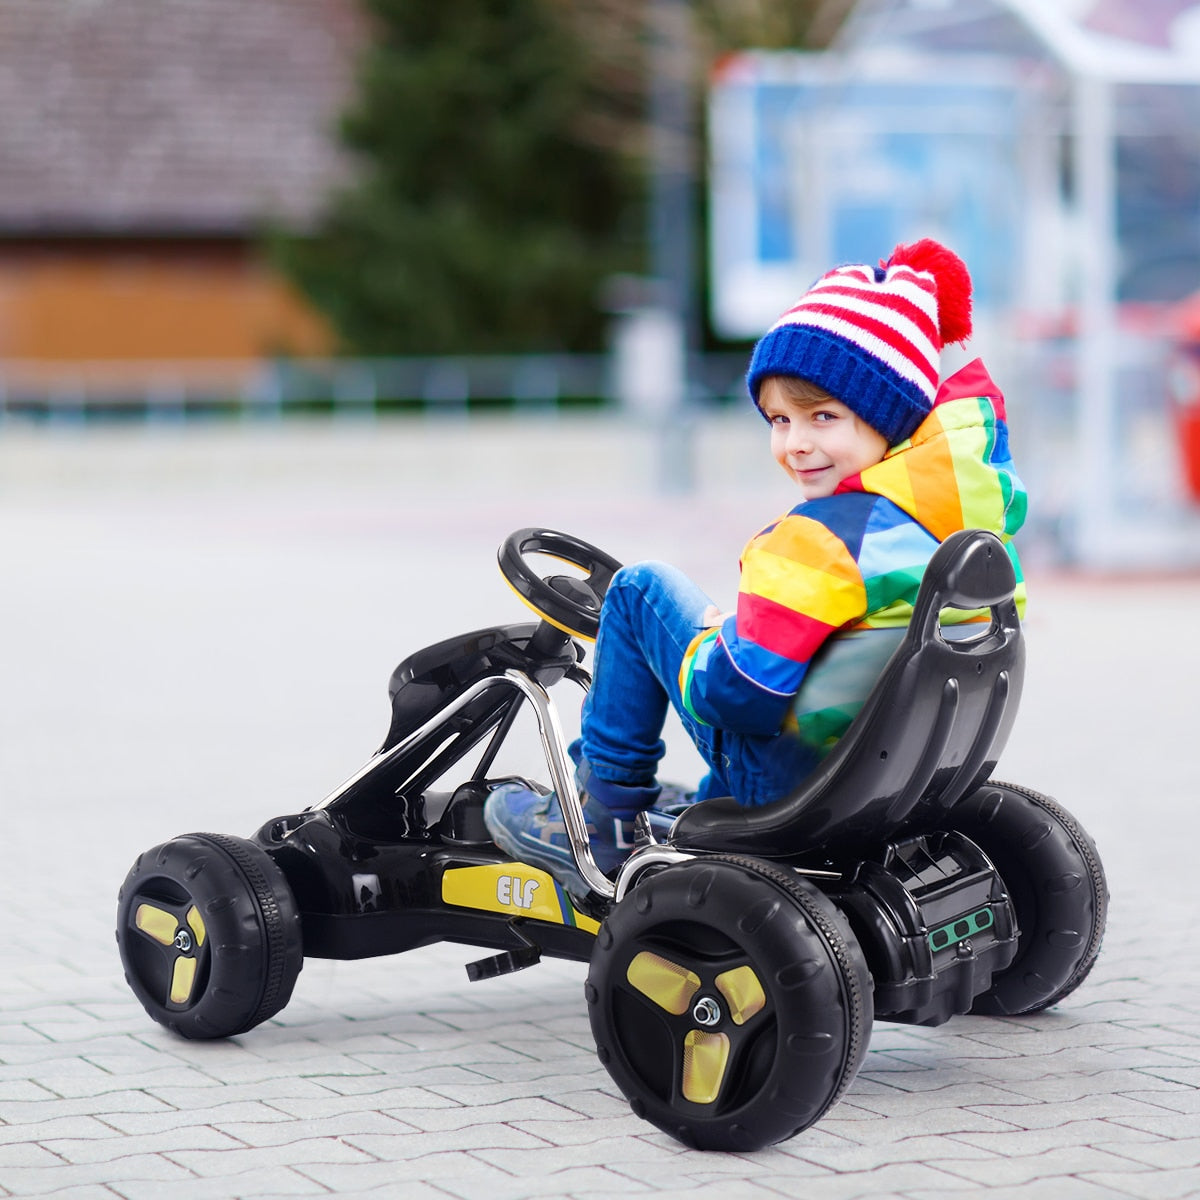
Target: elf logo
515	890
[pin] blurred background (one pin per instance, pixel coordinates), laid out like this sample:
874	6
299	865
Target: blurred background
306	304
215	214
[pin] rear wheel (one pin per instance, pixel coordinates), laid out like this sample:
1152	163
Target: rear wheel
209	935
1055	880
729	1002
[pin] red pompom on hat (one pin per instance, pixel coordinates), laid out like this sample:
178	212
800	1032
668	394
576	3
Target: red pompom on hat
872	336
953	285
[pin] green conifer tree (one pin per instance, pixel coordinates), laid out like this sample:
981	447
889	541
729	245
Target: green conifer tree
481	218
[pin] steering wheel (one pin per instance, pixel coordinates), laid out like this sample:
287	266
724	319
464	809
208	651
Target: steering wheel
567	602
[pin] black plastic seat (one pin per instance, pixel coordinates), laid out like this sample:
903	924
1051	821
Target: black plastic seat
930	731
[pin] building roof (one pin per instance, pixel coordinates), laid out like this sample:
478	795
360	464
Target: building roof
1122	41
170	116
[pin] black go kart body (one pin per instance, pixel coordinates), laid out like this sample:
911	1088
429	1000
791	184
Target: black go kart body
735	964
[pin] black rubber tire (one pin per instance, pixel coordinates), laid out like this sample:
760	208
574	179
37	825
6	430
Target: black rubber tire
237	928
1053	875
790	1061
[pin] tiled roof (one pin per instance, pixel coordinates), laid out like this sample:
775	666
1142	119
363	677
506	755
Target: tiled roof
170	116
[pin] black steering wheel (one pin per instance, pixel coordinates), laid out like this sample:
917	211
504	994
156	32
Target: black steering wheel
567	602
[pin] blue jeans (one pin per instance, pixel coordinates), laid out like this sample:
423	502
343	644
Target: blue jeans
651	613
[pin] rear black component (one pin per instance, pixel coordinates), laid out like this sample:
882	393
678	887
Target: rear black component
934	922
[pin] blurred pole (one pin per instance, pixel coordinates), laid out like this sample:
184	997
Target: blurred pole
1096	533
672	227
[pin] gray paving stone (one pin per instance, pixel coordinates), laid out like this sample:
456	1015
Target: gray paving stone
1161	1124
218	1115
888	1101
168	1142
880	1179
1054	1188
530	1112
23	1090
1014	1169
208	1090
1149	1185
26	1154
261	1184
530	1162
213	1163
115	1106
848	1159
751	1187
1178	1099
672	1167
87	1191
463	1176
600	1102
1119	1107
280	1130
901	1124
1107	1134
325	1104
154	1170
1164	1152
56	1127
732	1189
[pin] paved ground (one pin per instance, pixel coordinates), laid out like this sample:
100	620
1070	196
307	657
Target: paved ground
196	633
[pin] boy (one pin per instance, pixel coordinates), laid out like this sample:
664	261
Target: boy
887	464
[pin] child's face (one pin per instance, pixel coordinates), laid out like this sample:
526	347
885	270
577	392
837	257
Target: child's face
818	442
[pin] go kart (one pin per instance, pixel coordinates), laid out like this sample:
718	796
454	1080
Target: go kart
738	957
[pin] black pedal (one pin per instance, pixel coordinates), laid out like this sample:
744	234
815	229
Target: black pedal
504	964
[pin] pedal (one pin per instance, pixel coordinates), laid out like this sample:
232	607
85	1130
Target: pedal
504	964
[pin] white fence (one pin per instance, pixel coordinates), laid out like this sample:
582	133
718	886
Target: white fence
186	388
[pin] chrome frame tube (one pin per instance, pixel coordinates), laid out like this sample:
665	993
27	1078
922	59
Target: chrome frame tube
643	859
562	775
384	756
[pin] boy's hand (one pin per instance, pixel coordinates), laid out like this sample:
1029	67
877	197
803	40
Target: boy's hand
712	616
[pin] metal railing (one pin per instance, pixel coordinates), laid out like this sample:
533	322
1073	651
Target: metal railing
41	389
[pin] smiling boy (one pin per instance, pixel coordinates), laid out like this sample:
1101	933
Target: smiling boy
816	439
888	464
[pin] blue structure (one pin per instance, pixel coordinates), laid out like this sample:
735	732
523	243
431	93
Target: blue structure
1057	147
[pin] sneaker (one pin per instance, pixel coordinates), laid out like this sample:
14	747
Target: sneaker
529	825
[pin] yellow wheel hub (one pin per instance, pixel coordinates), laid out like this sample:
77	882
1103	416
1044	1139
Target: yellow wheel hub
182	934
730	997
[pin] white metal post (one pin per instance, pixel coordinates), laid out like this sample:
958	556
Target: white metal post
1097	539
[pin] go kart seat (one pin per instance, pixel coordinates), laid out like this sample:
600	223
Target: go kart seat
930	731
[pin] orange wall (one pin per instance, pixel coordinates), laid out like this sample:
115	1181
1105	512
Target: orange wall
149	300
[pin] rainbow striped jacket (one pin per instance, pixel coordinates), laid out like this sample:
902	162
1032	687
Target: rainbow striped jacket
853	561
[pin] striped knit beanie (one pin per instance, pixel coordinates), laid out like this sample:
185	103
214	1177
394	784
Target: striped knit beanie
872	336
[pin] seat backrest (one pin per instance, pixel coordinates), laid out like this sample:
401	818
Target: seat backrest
931	729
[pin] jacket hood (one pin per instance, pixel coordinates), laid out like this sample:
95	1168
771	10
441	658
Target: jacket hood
955	472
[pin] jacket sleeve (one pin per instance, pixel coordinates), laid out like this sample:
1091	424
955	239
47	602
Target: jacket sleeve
799	583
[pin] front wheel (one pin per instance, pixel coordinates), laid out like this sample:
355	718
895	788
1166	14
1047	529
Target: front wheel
209	935
729	1002
1053	875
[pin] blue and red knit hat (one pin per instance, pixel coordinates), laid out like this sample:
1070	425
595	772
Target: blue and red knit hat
872	336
